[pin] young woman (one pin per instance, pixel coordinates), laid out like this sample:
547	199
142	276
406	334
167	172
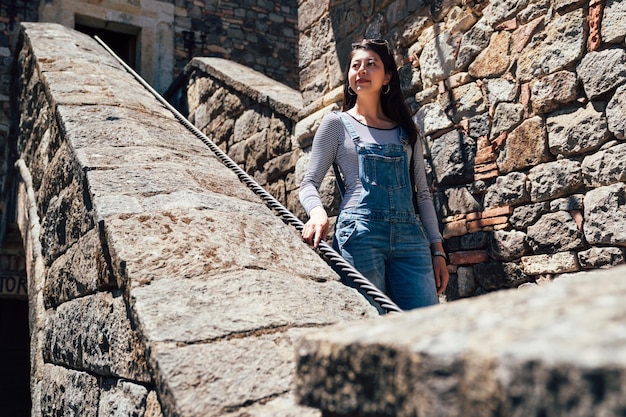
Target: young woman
374	142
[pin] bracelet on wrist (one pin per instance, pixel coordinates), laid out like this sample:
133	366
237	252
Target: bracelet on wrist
440	253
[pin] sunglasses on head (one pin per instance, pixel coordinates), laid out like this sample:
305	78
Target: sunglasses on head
379	42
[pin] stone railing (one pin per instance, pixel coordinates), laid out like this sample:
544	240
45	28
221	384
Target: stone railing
252	118
555	350
158	284
522	105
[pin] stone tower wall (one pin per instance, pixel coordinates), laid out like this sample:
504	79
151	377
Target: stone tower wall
522	105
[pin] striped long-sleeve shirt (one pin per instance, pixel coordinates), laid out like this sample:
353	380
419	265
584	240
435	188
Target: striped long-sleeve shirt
333	143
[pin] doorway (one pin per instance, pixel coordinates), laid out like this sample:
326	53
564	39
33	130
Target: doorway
15	399
121	38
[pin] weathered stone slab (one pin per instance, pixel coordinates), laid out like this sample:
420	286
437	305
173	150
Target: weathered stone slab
510	189
478	357
469	101
121	127
438	59
555	263
506	116
528	214
495	59
507	245
554	232
501	90
525	146
554	90
473	41
80	271
499	275
453	156
601	257
201	242
431	118
234	303
122	398
212	379
66	219
75	77
614	22
94	333
65	391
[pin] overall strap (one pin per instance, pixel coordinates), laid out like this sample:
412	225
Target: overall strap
355	138
348	125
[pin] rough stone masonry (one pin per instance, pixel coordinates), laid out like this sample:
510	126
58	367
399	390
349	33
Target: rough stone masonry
158	283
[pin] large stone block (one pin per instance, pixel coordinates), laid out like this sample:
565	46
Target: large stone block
605	167
64	392
572	132
561	44
453	158
538	350
555	232
80	271
94	333
602	71
554	179
614	22
239	302
605	215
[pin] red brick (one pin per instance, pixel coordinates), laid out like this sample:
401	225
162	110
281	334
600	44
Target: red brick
468	257
478	225
480	176
486	167
494	212
594	39
484	156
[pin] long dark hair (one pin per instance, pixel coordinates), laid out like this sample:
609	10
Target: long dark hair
392	103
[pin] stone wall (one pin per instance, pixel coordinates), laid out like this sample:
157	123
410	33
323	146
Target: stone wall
522	106
259	34
157	283
252	118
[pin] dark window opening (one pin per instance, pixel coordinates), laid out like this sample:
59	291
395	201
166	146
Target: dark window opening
123	44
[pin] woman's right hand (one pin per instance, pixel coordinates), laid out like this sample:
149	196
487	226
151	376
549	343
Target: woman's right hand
316	228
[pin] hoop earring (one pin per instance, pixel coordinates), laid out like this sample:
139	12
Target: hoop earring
351	92
382	90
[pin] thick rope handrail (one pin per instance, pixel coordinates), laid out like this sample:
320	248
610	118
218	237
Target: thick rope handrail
366	285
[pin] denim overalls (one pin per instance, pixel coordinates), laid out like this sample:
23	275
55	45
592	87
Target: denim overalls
382	236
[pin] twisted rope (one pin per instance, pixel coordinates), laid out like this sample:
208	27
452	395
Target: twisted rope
288	217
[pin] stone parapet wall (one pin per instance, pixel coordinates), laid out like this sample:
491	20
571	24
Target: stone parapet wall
557	350
158	284
522	107
252	118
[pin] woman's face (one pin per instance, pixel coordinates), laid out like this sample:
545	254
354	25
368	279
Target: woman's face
367	72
